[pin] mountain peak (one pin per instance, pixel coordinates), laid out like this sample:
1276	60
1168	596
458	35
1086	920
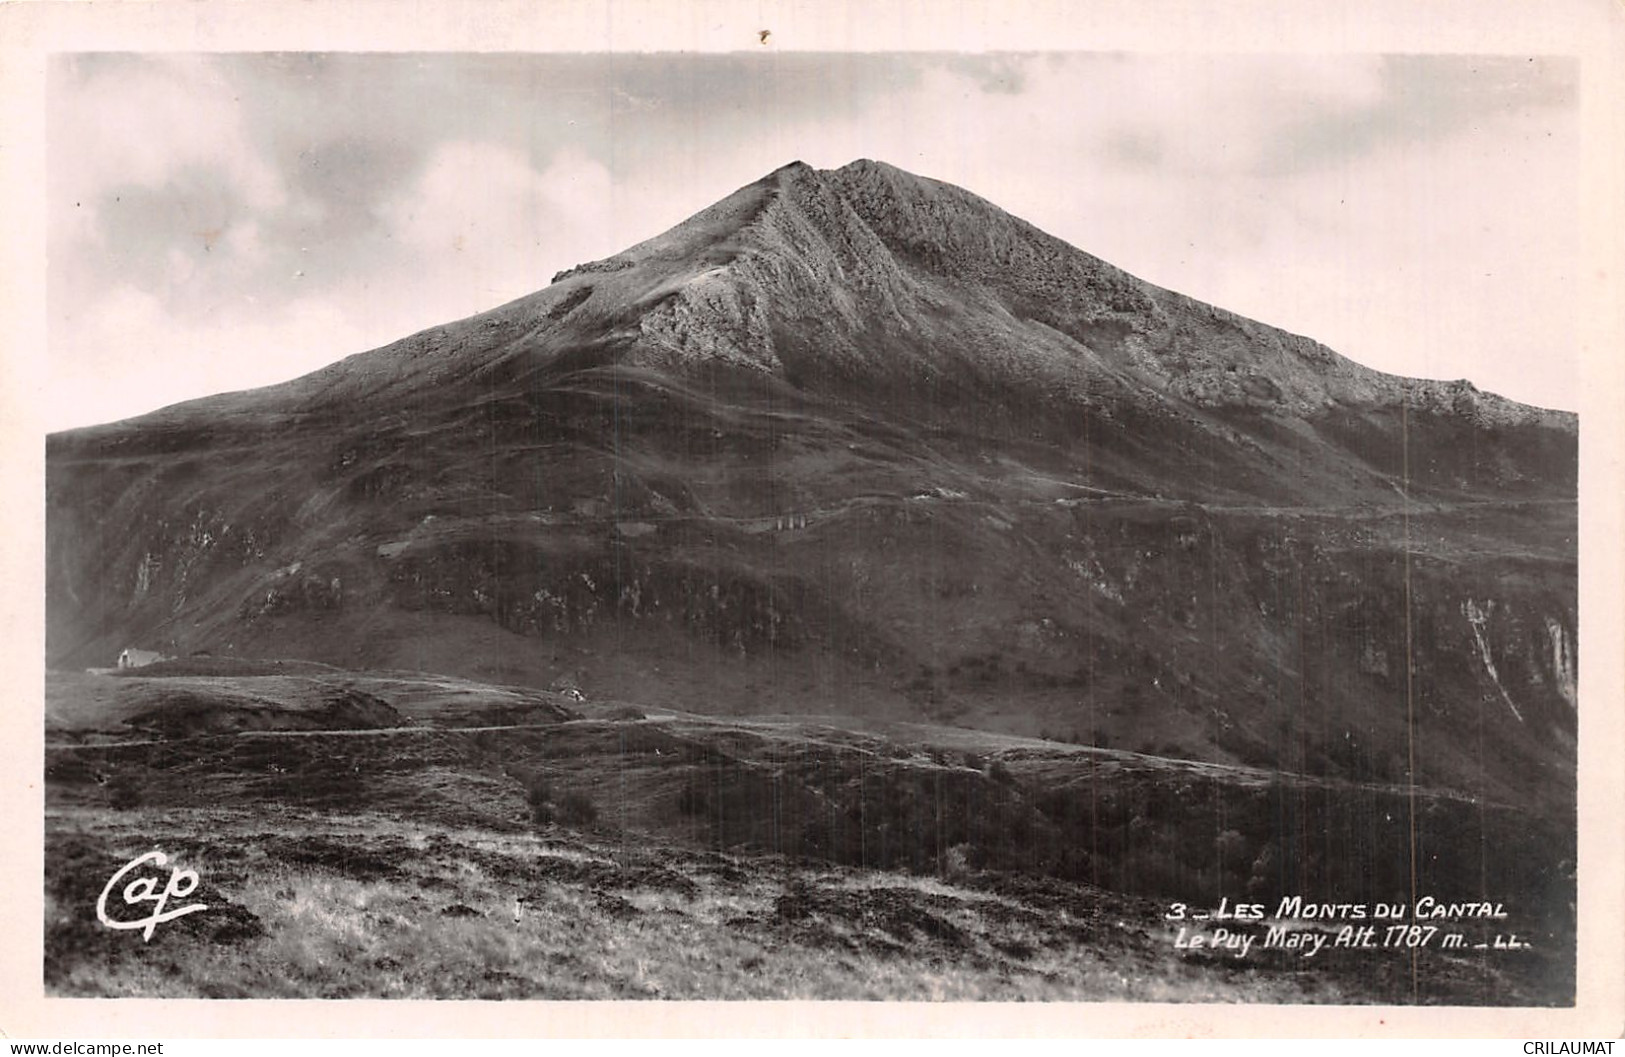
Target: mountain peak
862	166
877	276
858	439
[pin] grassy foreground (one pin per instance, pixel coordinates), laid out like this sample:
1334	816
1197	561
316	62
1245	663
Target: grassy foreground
391	835
363	906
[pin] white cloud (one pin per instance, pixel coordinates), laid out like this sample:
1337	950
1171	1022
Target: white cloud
1445	256
128	354
481	226
117	125
140	124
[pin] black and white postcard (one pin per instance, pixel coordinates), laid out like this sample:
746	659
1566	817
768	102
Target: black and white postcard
680	504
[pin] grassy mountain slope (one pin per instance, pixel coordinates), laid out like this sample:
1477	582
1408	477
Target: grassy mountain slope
861	443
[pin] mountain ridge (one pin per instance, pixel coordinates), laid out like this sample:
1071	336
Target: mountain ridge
857	441
859	231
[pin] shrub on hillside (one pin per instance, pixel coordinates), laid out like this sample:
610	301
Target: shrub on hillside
574	809
123	792
955	862
694	799
539	795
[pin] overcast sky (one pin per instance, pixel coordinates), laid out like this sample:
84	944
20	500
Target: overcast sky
224	221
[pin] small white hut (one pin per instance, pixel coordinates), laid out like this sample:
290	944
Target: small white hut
134	658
